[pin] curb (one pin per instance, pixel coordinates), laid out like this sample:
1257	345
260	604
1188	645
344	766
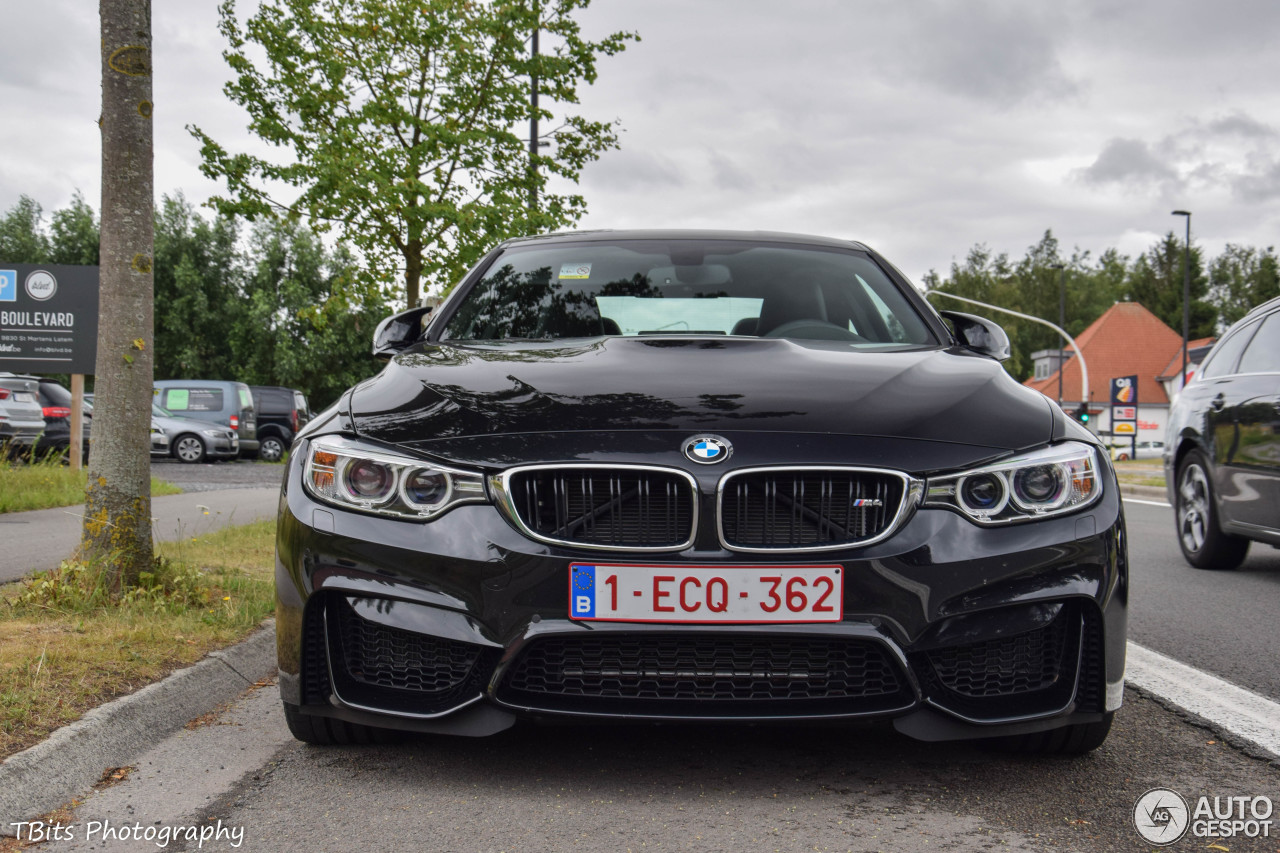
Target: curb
71	761
1156	493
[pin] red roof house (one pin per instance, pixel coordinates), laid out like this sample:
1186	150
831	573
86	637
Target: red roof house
1126	340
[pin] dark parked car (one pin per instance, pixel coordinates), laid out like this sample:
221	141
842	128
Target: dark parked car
712	476
1222	455
281	413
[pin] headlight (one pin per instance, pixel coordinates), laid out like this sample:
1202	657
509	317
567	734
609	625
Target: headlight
1043	483
214	433
356	476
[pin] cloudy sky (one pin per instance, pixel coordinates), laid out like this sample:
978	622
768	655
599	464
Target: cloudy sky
918	126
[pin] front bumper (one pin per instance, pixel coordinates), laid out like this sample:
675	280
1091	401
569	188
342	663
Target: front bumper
460	625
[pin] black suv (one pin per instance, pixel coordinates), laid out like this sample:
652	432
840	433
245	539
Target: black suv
281	413
1224	446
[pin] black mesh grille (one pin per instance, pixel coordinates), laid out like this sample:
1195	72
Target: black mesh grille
1092	688
389	657
606	506
382	666
798	509
315	665
692	674
1005	667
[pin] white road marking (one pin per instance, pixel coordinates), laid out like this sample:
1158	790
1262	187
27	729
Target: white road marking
1240	712
1130	500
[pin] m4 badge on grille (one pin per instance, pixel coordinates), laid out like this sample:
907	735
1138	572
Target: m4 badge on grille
708	449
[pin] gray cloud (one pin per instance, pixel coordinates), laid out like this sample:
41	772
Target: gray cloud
995	52
1128	161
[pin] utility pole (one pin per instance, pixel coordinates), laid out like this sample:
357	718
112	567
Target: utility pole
1186	295
1062	321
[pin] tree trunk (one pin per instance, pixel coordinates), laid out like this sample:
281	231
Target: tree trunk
413	272
117	524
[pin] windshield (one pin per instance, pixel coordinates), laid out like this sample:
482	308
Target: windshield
687	287
160	412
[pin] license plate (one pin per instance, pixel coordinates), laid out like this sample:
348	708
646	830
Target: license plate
23	397
708	594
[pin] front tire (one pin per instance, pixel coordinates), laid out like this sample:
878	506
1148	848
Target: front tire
271	450
1202	541
327	731
1069	740
189	448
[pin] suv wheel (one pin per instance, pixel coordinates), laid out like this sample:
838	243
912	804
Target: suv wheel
271	449
189	448
1203	543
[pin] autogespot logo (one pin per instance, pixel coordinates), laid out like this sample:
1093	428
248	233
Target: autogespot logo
707	449
1161	816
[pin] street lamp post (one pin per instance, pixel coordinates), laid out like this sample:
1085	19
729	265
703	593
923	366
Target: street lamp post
1062	320
1186	295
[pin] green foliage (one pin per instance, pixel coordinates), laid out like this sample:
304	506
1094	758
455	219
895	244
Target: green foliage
75	234
402	123
197	292
22	237
308	318
1033	286
282	310
1241	278
1155	280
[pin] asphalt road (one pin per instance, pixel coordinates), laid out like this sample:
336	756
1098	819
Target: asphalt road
590	788
1221	622
215	495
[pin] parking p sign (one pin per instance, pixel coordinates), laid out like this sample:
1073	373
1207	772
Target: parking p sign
8	285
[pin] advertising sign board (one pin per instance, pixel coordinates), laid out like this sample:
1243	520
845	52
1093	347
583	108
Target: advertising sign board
48	318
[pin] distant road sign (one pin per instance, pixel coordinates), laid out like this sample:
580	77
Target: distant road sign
48	318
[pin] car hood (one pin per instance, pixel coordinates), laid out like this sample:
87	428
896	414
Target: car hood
446	396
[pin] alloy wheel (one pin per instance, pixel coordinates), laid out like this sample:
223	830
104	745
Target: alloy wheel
189	449
1193	507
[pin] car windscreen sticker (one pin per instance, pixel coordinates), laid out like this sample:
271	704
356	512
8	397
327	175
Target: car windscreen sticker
575	271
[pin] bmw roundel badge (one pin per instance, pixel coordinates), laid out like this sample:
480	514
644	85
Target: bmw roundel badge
707	449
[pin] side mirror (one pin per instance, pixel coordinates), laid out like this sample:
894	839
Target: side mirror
399	331
979	334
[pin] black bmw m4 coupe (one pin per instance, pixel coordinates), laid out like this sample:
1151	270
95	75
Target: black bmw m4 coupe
698	476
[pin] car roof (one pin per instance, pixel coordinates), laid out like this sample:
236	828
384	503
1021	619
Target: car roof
1264	308
609	236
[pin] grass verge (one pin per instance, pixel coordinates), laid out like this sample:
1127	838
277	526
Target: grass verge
1140	472
67	646
48	484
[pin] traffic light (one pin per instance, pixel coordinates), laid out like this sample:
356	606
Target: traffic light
1082	413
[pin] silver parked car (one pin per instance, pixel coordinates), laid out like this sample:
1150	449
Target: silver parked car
21	418
191	440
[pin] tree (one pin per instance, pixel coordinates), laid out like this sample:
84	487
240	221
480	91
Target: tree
75	234
22	237
198	276
403	119
308	320
1241	278
1155	280
117	522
